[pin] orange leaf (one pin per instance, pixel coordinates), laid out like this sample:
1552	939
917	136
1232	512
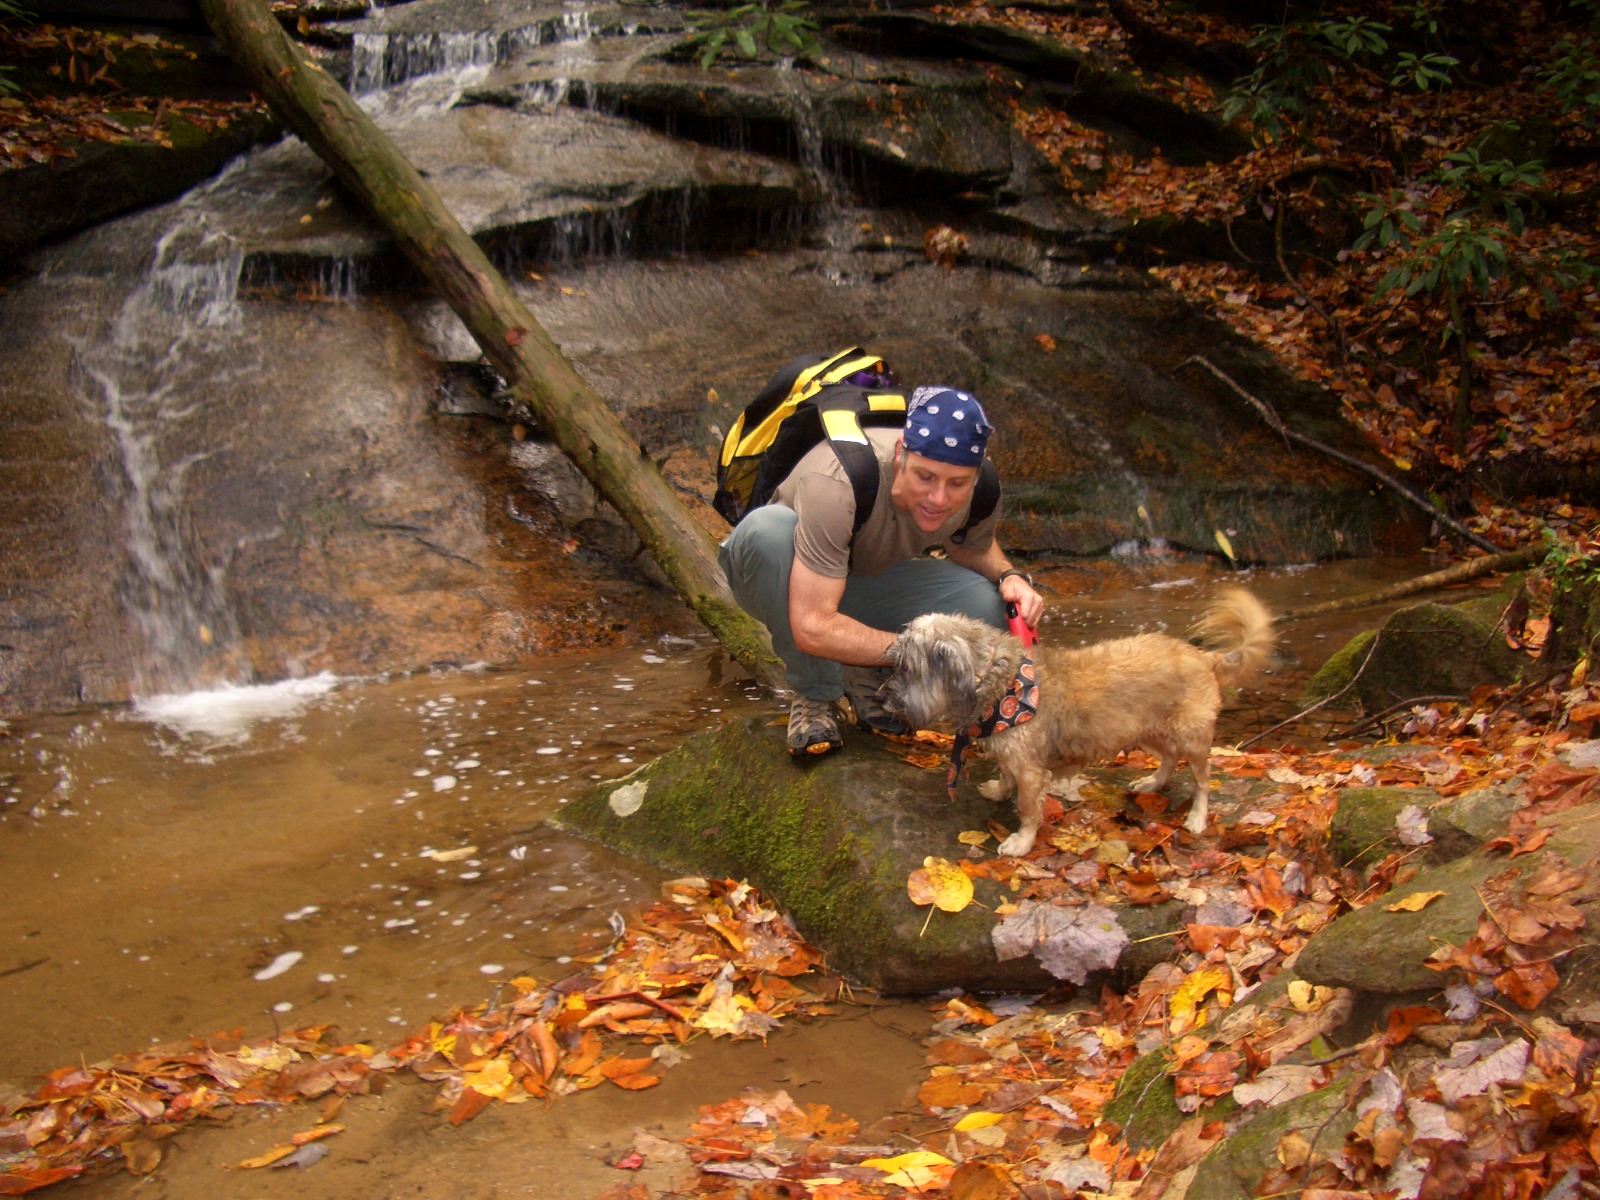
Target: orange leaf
270	1157
621	1070
515	335
1267	891
317	1134
949	1091
1533	842
1206	938
581	1060
636	1083
980	1181
1528	983
142	1157
1403	1022
21	1180
469	1105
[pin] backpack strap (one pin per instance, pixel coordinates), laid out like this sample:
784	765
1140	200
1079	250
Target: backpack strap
985	498
846	413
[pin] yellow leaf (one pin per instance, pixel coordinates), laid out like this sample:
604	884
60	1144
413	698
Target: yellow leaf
1068	841
977	1120
1308	997
940	882
270	1157
1293	1150
1415	902
316	1134
446	856
1186	1001
1227	546
492	1078
724	1014
913	1158
972	837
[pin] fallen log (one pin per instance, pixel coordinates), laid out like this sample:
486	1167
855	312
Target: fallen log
385	183
1461	572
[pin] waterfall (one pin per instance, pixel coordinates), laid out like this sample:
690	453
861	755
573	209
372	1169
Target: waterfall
833	223
152	378
382	60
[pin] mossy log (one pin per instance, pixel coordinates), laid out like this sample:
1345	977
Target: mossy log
374	171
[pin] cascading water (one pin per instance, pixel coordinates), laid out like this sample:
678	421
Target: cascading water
383	60
148	377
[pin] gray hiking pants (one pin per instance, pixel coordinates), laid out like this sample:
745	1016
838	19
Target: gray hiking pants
756	558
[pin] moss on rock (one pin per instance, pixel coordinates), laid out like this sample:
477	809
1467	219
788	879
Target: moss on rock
1248	1156
1145	1106
1423	650
1375	950
832	841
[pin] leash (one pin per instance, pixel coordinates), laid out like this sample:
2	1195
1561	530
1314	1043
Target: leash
1019	628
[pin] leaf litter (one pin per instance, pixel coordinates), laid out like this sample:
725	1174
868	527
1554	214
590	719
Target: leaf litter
712	958
1472	1094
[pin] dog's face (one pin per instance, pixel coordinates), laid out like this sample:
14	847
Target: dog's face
936	671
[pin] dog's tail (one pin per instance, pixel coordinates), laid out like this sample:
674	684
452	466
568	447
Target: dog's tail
1237	631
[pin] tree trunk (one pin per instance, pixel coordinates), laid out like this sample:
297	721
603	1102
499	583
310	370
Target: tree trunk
372	168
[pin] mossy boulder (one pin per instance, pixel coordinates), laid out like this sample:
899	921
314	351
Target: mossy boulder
1376	950
1145	1106
1423	650
1574	614
1248	1155
833	842
1365	827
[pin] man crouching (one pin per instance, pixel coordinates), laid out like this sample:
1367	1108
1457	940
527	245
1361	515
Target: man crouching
834	601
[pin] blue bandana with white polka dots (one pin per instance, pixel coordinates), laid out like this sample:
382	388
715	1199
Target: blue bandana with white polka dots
947	426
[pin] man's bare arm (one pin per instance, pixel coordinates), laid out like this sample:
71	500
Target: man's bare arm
821	630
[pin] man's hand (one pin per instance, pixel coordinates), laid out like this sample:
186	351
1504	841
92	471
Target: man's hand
1014	589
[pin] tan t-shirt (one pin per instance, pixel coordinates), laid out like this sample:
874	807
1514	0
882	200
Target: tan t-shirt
819	491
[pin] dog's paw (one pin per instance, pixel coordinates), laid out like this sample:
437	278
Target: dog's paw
1145	786
992	789
1018	844
1198	819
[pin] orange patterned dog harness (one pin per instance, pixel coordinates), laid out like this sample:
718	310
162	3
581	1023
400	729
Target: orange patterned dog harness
1018	706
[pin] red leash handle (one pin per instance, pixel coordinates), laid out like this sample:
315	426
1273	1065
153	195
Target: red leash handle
1020	629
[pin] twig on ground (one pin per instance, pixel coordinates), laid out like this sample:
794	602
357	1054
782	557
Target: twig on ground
1323	703
1376	717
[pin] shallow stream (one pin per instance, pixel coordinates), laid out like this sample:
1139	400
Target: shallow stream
372	853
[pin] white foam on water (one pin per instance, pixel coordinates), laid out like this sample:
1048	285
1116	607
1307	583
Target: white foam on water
228	715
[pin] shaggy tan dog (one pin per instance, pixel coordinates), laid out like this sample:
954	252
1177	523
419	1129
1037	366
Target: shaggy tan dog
1068	709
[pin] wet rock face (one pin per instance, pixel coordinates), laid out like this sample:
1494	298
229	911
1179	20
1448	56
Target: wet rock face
245	447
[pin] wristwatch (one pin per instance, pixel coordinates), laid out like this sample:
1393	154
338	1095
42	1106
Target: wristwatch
1010	571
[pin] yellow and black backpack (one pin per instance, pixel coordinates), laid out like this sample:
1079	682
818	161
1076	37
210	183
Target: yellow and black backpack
816	396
